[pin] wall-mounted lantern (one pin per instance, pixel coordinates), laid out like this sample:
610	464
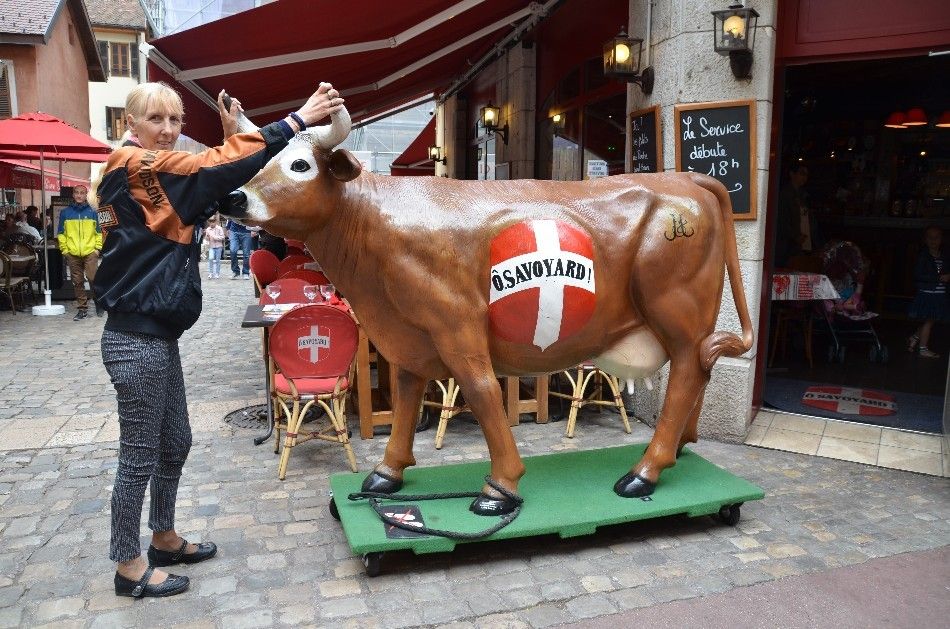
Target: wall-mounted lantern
734	35
435	154
489	116
622	61
558	121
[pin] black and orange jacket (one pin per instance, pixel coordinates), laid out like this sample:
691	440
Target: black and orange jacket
149	202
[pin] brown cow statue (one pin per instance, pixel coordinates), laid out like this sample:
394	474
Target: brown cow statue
470	279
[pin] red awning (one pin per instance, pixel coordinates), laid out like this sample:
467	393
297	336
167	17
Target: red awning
37	131
415	159
378	56
15	173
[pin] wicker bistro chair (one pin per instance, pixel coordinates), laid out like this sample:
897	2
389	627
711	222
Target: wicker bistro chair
263	266
12	287
291	263
579	397
310	277
291	292
312	351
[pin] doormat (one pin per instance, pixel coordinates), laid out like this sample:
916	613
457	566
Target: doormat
850	401
912	411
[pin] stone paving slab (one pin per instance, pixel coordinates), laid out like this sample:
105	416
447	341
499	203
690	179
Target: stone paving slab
284	561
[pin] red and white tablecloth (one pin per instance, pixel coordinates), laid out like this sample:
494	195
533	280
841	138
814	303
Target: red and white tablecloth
802	287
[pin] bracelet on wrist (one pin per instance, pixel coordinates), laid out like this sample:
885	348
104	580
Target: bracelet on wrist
299	120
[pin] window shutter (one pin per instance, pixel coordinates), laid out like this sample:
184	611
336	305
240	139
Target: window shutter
134	59
104	55
109	134
6	107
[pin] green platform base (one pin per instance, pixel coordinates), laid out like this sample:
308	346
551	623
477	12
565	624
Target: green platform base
569	494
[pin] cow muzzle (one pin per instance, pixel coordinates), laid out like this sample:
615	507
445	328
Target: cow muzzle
234	205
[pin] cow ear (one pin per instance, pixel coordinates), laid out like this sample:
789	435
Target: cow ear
343	166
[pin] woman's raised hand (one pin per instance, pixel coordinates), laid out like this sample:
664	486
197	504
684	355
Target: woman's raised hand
325	101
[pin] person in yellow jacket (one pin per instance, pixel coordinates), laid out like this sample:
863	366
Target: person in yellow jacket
80	240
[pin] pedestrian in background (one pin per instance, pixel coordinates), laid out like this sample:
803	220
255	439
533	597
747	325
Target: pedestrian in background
931	275
150	284
241	239
80	240
214	235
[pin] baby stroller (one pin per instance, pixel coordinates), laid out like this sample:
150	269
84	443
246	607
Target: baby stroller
848	316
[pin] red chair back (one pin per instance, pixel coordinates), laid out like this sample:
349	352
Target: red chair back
310	277
314	341
291	292
292	263
295	247
264	265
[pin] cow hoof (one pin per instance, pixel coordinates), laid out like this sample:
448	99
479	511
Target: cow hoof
633	486
486	505
379	483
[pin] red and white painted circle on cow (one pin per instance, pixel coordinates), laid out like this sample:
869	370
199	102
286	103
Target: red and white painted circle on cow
542	282
850	401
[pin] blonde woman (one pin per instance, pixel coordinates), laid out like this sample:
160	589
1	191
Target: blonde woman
150	199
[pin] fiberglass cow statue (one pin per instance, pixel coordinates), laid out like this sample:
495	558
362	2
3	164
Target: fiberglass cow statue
470	279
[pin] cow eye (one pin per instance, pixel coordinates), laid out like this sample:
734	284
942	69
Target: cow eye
300	166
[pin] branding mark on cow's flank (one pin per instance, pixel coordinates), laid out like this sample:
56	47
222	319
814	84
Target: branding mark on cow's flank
680	228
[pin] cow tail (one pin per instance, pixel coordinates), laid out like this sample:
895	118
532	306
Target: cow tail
726	343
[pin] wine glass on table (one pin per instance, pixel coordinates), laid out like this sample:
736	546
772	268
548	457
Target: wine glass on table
327	290
273	290
310	292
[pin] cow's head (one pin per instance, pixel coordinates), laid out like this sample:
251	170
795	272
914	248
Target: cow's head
296	190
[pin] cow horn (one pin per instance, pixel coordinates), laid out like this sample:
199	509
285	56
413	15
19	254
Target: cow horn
328	136
244	124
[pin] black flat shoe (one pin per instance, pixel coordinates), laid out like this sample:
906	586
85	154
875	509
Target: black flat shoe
161	558
174	584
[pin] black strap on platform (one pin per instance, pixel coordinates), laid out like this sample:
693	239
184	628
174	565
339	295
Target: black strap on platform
376	497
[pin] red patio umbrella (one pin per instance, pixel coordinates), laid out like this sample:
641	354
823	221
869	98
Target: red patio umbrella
48	137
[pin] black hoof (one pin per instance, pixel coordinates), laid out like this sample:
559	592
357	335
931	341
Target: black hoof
381	484
632	486
486	505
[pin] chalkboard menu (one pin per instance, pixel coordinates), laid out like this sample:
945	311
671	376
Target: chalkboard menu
646	144
718	139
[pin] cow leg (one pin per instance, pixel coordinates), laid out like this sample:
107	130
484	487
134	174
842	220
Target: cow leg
386	478
683	399
476	378
690	433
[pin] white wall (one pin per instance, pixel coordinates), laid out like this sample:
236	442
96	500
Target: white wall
113	92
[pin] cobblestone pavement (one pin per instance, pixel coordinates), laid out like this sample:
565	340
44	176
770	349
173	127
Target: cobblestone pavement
284	561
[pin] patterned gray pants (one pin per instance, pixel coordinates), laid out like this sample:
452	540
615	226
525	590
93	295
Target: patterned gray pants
154	434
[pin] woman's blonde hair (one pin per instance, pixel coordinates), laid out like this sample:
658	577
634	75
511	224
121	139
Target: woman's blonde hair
159	95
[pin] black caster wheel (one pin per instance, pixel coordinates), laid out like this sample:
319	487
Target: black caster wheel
729	514
333	510
372	561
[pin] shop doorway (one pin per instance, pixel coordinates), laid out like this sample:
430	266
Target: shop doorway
855	200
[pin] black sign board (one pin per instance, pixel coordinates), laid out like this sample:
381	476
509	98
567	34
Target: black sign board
646	144
718	139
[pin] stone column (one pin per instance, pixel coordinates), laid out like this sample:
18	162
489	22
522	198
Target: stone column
517	93
688	70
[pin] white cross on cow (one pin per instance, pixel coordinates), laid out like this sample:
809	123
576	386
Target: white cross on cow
313	342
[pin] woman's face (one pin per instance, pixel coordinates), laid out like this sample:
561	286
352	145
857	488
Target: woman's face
156	130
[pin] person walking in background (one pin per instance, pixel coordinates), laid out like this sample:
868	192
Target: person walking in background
796	228
930	302
150	284
214	234
80	240
241	239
